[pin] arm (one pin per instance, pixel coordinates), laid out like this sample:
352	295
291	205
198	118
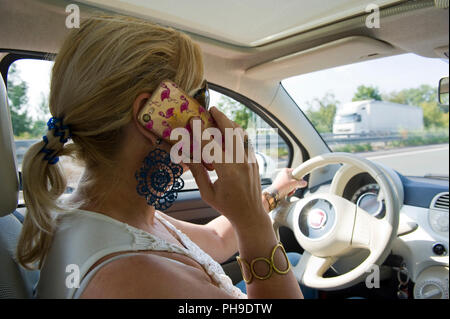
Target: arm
218	238
236	194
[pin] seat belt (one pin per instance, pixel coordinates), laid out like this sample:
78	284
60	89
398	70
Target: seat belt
19	216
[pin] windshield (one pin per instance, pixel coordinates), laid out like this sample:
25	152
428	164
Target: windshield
386	110
347	118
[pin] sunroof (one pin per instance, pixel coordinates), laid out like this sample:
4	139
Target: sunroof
245	23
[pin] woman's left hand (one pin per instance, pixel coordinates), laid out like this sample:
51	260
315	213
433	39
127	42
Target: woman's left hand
285	184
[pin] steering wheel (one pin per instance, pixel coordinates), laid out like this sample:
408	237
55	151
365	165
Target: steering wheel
329	226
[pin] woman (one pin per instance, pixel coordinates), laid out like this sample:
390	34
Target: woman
106	241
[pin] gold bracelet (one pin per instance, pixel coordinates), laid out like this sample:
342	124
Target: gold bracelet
272	268
272	198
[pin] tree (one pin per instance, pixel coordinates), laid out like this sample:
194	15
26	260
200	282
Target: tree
236	111
39	127
17	96
424	96
321	112
366	93
413	96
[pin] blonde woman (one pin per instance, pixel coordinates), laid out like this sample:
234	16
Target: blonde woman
107	236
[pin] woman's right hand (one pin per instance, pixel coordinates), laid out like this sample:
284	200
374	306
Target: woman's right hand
236	193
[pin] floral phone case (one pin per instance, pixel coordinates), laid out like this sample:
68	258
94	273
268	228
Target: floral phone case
170	107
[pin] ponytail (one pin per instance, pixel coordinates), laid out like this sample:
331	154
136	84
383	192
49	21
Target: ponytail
43	182
99	71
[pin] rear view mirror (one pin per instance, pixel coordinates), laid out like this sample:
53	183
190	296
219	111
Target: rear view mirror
443	91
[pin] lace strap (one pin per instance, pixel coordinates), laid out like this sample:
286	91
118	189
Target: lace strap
143	240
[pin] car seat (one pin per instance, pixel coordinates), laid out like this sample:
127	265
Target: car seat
15	281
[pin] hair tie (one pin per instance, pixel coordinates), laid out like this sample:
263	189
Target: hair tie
52	159
59	130
55	123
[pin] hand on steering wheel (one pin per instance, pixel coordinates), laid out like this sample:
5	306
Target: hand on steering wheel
328	226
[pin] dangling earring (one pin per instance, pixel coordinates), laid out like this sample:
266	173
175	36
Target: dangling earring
159	179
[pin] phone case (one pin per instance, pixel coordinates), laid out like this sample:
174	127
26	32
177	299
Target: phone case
170	107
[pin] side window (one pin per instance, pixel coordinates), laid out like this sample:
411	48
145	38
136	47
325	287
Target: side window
28	92
272	151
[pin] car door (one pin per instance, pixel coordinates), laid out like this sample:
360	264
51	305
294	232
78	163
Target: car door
28	77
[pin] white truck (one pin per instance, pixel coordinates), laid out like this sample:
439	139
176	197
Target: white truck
376	117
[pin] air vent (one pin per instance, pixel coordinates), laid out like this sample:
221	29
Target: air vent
440	202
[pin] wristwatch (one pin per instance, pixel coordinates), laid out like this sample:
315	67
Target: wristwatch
272	197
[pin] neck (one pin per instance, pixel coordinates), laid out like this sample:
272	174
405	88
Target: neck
116	197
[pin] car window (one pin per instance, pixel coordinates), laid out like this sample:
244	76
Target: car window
28	93
385	109
271	149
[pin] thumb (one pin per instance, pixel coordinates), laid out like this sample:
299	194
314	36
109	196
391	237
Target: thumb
301	183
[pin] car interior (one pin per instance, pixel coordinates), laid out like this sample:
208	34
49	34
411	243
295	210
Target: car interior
249	48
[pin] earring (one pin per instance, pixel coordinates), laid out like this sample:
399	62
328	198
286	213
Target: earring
159	179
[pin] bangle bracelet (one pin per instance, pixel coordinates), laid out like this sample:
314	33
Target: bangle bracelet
243	264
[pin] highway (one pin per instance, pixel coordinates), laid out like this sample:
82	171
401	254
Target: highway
414	161
409	161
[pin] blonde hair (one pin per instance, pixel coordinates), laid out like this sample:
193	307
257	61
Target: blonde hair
101	69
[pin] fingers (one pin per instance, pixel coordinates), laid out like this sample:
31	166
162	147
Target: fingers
198	145
203	181
302	183
222	121
239	135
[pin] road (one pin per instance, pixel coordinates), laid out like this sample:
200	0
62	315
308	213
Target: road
409	161
414	161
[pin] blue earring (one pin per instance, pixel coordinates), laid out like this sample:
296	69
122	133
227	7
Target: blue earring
159	179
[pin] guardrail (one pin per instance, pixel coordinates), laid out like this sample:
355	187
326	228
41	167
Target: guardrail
354	138
263	141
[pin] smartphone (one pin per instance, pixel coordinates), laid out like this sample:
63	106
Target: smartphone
170	107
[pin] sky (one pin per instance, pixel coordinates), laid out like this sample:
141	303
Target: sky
36	73
388	74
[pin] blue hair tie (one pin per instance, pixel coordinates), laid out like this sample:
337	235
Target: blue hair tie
55	123
59	130
52	159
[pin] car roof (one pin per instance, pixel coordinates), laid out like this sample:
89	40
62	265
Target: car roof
252	62
247	23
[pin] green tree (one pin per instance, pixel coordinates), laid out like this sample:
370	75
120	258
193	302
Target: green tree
39	126
321	112
17	99
424	96
413	96
366	93
236	111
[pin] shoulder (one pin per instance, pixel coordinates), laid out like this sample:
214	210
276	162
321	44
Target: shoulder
150	276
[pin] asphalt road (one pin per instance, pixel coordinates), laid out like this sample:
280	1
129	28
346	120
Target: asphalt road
409	161
414	161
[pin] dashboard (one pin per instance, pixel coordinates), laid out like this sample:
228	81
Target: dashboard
423	233
363	191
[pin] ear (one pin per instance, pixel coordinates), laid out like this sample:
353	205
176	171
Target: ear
138	104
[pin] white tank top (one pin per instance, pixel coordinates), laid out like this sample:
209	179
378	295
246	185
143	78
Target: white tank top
83	237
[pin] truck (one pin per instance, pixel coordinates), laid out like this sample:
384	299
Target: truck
377	117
